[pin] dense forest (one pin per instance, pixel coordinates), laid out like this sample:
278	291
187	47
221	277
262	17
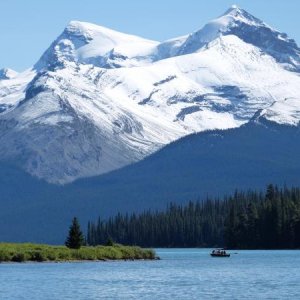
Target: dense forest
245	220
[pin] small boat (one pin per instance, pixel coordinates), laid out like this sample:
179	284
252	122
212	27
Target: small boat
219	253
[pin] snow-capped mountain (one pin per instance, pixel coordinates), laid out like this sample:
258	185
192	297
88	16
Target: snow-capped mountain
249	29
85	43
98	100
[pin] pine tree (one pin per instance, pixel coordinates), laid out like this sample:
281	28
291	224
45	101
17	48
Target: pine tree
247	220
75	238
109	242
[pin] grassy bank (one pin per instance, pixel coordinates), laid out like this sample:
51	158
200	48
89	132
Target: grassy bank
39	253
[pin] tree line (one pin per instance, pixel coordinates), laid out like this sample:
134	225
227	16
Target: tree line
245	220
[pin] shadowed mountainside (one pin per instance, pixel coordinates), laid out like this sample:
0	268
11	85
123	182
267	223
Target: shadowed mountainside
212	163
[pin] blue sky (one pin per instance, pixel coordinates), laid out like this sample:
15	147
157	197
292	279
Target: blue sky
28	27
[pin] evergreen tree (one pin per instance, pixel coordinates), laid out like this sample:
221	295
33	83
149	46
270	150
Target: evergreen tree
230	228
109	242
246	220
75	238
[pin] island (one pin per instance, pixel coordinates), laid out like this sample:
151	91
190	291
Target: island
27	252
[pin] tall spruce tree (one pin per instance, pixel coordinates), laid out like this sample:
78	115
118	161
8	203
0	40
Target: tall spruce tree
75	238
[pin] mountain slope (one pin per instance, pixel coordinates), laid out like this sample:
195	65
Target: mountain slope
98	100
211	163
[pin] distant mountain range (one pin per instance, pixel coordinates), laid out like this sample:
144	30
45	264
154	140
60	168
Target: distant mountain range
87	130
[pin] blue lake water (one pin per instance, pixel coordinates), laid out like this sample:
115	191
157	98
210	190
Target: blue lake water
181	274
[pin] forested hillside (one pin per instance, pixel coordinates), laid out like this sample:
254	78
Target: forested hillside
250	220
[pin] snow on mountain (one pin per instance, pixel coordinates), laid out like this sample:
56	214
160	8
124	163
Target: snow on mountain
87	43
284	112
98	100
7	74
248	28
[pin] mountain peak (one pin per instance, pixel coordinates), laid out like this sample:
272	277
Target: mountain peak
78	28
77	23
235	13
234	17
251	30
233	9
88	30
88	43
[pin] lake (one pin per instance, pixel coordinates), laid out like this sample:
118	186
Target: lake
181	274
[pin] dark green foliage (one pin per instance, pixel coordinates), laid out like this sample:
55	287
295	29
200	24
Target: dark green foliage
197	224
269	221
109	242
250	220
18	257
75	238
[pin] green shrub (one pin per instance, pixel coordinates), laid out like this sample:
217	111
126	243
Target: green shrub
34	252
5	256
19	257
38	255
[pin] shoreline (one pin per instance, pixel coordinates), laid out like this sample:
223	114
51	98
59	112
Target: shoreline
39	253
77	261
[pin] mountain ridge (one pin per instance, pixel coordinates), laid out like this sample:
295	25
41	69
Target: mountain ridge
98	100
